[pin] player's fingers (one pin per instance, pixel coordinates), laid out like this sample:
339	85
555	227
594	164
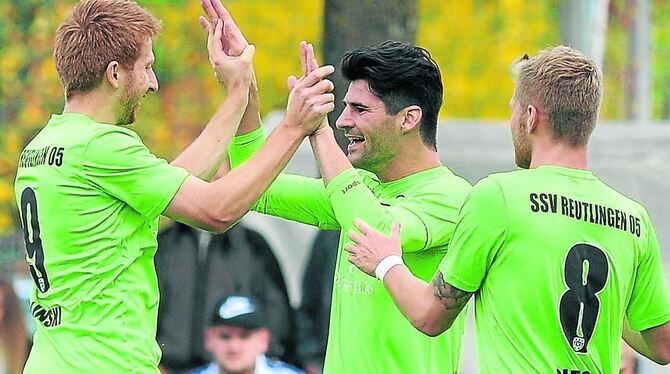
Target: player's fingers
312	64
323	86
324	99
208	7
204	23
351	248
318	74
291	81
303	57
395	230
221	10
325	108
363	227
248	52
210	38
218	30
215	44
234	35
355	237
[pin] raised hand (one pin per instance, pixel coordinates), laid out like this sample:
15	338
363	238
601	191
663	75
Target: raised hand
310	100
308	64
233	41
234	71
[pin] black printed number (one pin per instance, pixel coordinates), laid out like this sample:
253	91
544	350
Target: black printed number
586	271
31	235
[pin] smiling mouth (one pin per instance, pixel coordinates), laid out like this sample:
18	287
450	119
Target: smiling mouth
354	139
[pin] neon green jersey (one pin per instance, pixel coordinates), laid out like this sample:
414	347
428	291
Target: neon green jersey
557	259
368	334
90	195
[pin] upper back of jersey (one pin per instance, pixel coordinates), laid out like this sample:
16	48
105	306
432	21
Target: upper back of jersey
573	257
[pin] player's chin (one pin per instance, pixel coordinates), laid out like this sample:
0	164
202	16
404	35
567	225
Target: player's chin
356	157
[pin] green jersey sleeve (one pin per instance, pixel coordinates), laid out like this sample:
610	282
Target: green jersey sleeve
351	195
242	147
291	197
481	231
649	305
117	162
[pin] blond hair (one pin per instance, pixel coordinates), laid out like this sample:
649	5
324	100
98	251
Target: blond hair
566	86
96	33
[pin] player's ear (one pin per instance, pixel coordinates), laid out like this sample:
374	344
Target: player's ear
533	118
113	74
410	118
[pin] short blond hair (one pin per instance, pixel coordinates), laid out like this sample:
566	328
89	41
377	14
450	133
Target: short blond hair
96	33
564	84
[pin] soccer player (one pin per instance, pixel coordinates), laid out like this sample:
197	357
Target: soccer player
390	117
90	192
561	265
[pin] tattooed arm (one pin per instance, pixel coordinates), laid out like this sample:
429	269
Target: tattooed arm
431	308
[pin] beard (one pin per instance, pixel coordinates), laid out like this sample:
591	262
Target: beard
373	157
522	151
130	102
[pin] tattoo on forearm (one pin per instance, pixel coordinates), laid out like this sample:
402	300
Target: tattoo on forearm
450	296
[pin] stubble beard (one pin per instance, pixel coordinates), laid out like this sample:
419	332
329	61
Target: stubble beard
522	152
130	102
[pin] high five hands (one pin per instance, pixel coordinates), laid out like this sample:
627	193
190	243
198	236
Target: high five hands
308	64
311	96
229	52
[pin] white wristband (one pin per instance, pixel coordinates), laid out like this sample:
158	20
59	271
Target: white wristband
386	264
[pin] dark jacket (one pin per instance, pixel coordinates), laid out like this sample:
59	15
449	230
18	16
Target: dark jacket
194	273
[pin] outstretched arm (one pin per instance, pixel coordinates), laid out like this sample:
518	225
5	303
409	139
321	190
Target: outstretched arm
207	153
430	307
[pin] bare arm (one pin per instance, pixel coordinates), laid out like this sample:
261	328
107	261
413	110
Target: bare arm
218	205
431	308
653	343
208	151
329	156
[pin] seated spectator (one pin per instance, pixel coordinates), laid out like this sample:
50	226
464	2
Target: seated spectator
13	335
195	270
314	314
237	338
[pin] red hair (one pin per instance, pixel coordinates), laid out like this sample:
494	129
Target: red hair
96	33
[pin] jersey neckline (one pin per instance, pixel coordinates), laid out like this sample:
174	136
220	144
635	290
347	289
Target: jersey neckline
573	172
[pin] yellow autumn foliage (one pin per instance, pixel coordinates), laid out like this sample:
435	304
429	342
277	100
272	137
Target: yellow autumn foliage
473	41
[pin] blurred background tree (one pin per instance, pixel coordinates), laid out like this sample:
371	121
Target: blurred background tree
365	23
473	41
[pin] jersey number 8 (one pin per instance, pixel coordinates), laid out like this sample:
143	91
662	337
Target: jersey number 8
585	273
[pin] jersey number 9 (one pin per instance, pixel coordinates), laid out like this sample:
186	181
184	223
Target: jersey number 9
31	236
